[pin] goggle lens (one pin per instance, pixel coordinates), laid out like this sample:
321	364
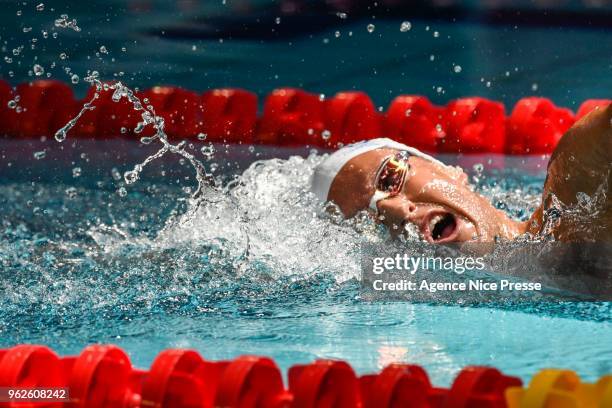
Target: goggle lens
392	174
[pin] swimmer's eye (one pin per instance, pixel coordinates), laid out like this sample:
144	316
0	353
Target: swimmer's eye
392	174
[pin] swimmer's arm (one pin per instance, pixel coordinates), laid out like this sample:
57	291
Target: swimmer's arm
580	163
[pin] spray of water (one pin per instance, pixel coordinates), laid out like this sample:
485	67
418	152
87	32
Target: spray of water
149	118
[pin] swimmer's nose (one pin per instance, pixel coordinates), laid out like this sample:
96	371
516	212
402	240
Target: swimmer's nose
395	214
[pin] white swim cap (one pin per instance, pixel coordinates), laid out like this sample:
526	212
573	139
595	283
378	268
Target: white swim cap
328	169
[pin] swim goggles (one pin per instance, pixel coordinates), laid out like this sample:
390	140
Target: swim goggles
390	177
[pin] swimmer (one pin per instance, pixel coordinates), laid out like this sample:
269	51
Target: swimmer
399	185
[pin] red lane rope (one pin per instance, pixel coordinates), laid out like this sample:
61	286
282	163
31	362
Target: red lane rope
294	117
102	376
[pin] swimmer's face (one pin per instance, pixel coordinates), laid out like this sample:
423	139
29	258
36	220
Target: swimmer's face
436	199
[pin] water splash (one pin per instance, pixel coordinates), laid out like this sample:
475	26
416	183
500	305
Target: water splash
65	22
583	217
149	118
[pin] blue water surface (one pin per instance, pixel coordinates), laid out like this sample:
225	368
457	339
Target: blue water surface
83	262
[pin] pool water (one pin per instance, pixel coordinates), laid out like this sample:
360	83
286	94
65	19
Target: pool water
257	267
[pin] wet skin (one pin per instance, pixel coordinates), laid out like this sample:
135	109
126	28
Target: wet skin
439	201
581	164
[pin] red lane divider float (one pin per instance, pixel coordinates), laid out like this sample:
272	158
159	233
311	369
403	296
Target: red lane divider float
324	383
293	117
106	118
182	110
399	385
230	115
102	376
536	125
8	110
474	125
590	105
414	120
40	106
350	117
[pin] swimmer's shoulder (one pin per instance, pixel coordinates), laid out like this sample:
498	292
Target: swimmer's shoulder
582	163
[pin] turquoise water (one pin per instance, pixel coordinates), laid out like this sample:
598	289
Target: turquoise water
259	269
82	263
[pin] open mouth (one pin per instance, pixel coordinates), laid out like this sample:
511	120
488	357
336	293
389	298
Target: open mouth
442	227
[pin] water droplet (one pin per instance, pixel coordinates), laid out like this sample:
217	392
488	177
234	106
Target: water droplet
208	152
64	22
40	155
76	172
277	20
12	104
103	49
371	27
202	136
534	87
342	15
60	135
130	176
432	57
63	56
123	130
408	112
252	149
321	97
337	34
71	192
457	69
40	7
115	173
439	128
405	26
436	34
122	192
326	134
38	70
74	79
